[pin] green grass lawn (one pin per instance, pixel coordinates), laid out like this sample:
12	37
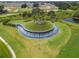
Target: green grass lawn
4	52
63	44
62	37
71	50
64	14
31	26
17	45
24	47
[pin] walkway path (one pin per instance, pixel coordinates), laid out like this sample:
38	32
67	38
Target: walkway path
8	15
9	47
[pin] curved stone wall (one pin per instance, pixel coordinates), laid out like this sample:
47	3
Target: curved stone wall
30	34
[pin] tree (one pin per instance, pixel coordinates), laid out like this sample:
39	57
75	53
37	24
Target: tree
24	5
26	14
35	4
38	15
63	5
51	15
1	8
74	7
76	16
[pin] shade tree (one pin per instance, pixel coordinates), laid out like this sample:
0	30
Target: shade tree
62	5
35	4
2	10
24	5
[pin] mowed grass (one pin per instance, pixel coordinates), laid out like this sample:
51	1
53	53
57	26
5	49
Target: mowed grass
61	38
71	50
50	47
4	52
64	13
16	44
31	26
26	47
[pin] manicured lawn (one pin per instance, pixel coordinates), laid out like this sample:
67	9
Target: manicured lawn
24	47
6	15
71	50
63	44
8	34
4	52
37	27
61	38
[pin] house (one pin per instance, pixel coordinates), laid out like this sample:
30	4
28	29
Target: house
11	9
48	7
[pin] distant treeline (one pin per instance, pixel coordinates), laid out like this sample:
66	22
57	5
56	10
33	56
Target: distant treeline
37	1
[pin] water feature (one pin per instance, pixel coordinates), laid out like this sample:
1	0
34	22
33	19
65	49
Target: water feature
71	20
45	34
30	34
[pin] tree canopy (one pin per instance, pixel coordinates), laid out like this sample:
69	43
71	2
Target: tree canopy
35	4
24	5
39	16
76	16
2	9
63	5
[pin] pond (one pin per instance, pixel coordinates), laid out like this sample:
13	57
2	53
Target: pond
71	20
30	34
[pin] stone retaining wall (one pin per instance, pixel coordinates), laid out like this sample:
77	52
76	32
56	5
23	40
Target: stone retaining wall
30	34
